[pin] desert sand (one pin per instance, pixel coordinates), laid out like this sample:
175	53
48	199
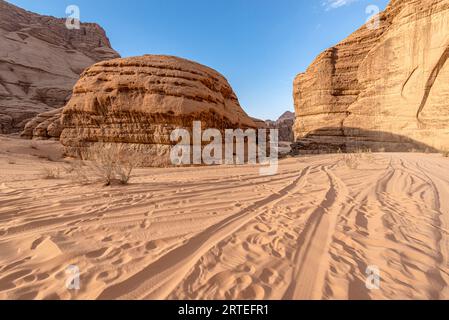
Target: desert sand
308	232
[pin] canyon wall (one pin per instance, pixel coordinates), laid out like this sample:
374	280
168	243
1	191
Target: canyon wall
384	88
40	61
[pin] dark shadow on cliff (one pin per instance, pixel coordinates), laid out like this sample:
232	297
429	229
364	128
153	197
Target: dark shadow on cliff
331	140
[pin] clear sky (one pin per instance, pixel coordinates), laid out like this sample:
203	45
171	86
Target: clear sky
258	45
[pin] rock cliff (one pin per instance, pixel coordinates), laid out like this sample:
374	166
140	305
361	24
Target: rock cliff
285	126
40	61
384	88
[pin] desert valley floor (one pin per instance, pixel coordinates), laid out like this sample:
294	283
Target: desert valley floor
308	232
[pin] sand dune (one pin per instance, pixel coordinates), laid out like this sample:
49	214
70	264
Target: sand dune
310	232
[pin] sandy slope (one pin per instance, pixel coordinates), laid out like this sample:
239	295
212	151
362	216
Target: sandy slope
225	232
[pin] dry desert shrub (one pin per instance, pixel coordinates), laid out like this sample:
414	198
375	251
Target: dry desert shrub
352	160
78	172
445	153
366	153
108	163
51	173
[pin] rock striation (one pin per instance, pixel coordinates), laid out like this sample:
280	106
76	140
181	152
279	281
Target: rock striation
40	61
44	126
285	126
383	88
139	101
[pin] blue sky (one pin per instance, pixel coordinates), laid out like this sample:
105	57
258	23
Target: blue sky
258	45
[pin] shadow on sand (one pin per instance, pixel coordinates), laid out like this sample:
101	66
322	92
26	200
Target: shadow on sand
333	139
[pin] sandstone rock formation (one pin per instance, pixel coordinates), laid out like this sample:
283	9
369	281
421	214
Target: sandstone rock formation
44	126
139	101
40	61
285	126
261	124
384	88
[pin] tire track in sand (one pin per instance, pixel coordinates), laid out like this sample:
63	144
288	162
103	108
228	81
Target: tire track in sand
314	241
159	279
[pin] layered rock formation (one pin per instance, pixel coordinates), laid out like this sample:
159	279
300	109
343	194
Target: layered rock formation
384	88
139	101
44	126
40	61
285	126
261	124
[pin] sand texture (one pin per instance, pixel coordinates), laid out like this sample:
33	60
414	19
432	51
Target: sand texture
308	232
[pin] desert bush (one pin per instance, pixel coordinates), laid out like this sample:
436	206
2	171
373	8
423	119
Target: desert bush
108	163
366	153
363	150
445	153
113	163
51	173
77	172
352	160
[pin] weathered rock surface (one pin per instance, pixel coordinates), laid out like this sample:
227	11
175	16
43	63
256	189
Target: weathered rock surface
45	125
285	126
139	101
40	61
261	124
385	88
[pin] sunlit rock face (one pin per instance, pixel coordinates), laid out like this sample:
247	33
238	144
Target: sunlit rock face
139	101
381	88
40	61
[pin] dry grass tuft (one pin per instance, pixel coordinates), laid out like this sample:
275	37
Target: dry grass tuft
107	163
445	153
51	173
352	160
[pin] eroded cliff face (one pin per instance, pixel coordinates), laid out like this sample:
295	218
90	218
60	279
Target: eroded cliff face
384	89
139	101
46	125
40	61
285	126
